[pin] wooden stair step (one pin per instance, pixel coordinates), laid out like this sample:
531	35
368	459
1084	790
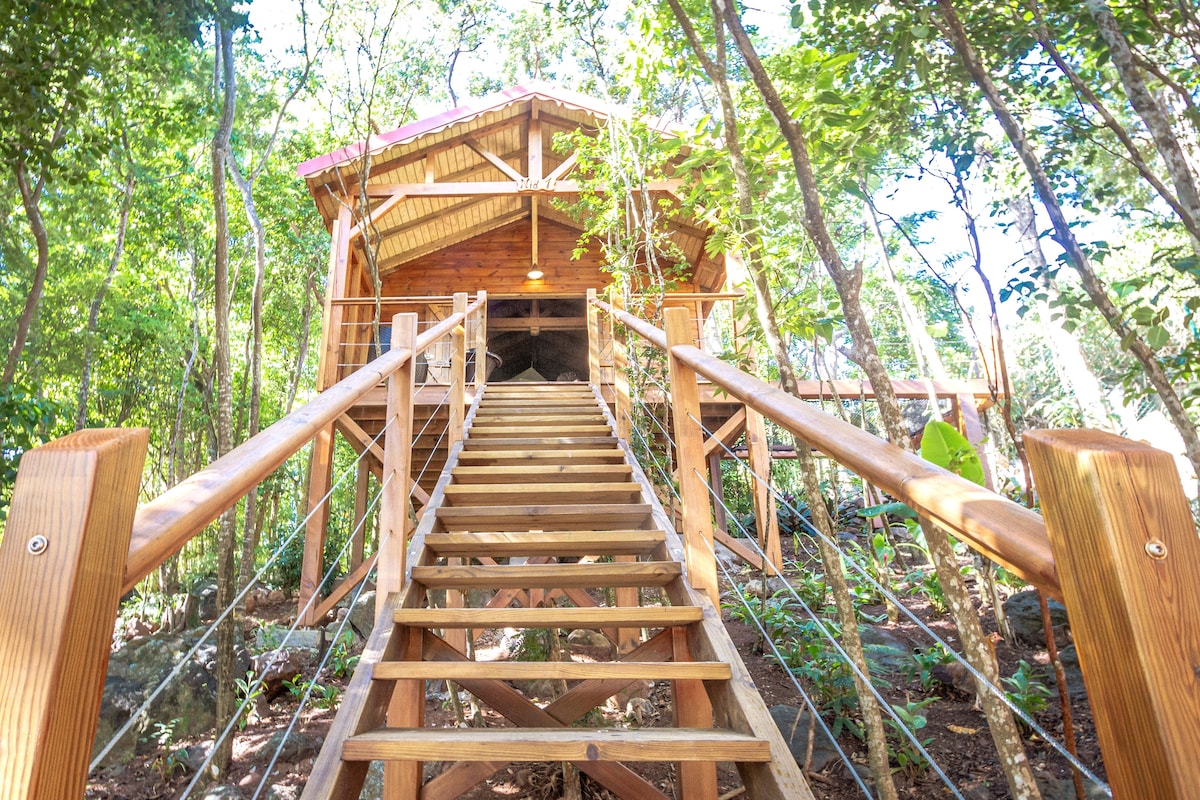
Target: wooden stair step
539	403
548	543
566	618
508	494
538	456
549	576
578	516
539	431
557	473
554	744
552	670
537	441
534	414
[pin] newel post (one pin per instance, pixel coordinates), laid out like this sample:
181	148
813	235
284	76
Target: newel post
623	406
62	561
593	327
394	521
689	449
1128	560
481	341
458	372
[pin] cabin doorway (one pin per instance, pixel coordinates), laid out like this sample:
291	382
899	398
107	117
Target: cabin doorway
538	339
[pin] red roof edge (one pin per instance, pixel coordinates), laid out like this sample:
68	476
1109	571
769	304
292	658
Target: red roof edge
467	110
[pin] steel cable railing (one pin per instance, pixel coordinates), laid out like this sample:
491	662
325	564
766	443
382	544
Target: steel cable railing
886	592
241	595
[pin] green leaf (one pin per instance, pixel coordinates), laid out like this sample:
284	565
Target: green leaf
893	509
1157	337
944	446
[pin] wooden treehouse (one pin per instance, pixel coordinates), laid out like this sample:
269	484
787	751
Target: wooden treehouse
484	381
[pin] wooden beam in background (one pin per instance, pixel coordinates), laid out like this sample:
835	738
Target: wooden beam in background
533	143
514	187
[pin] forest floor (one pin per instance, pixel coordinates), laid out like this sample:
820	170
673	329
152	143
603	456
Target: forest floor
955	734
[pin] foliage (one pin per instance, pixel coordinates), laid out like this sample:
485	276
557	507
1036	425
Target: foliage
27	420
170	758
903	749
1025	690
941	444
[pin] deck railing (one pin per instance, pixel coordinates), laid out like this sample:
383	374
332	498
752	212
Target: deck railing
74	544
1117	544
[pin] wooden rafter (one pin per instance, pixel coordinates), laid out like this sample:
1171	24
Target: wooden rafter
377	213
534	143
493	159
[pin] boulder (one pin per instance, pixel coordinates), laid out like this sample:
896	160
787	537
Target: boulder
793	724
206	602
1069	657
223	791
295	748
362	615
1025	617
884	649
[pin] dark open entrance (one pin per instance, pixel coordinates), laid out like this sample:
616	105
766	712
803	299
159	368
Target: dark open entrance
543	338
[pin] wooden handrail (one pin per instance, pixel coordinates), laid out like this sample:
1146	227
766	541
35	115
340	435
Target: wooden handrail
166	523
995	526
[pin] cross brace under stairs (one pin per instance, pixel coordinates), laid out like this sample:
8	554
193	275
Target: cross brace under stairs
543	518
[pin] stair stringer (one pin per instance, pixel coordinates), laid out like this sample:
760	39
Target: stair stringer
737	704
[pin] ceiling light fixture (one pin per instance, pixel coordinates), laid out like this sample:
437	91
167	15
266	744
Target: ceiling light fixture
535	274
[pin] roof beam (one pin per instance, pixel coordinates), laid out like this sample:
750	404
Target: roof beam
493	159
377	212
476	188
533	143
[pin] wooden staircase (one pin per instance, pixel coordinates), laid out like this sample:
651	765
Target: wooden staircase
546	511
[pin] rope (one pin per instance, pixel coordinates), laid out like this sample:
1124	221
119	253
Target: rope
187	657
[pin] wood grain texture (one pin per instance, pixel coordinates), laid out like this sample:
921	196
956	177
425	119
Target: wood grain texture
546	543
57	609
565	670
1129	561
570	618
552	744
549	576
689	450
394	523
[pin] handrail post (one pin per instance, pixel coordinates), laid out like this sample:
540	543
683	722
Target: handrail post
481	341
765	519
1129	564
394	521
593	328
335	289
623	407
458	372
62	561
689	449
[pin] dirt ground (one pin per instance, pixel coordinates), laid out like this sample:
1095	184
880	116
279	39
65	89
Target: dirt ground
958	736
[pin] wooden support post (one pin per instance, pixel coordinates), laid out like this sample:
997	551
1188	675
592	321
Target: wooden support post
628	597
62	561
593	327
320	479
1128	559
697	779
394	521
765	519
623	409
481	341
335	289
361	495
455	637
689	450
717	483
402	780
458	374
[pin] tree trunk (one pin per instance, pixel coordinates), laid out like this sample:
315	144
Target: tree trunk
250	519
1133	153
746	222
94	312
1148	108
1078	380
848	282
31	197
226	574
1130	339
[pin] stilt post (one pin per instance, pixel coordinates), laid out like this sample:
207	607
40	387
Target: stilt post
458	373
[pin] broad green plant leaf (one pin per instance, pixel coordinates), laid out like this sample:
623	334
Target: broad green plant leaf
949	449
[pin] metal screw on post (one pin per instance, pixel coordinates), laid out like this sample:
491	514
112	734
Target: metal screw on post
38	545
